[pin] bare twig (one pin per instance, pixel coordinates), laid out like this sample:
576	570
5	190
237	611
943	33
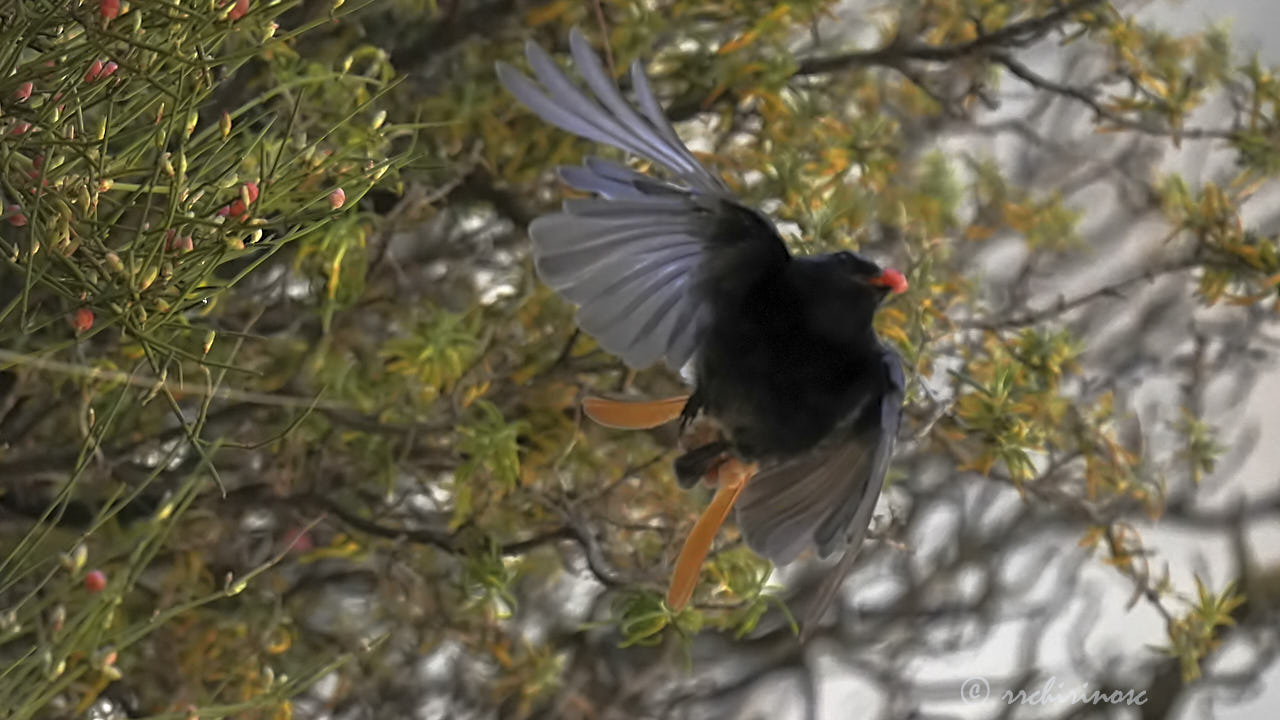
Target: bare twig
176	388
604	38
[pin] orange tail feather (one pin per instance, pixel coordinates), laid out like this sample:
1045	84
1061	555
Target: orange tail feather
733	477
634	415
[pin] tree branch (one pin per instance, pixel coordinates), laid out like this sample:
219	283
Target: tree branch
452	543
1064	305
1041	82
448	542
1016	34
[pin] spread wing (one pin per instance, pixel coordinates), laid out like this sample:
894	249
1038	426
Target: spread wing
639	257
825	497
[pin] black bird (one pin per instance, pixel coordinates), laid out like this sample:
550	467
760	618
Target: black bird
796	402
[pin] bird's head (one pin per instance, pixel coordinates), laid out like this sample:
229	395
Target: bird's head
843	291
876	281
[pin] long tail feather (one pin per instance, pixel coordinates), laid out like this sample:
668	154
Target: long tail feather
632	415
733	476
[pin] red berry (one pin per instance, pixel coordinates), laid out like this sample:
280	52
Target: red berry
95	581
24	91
109	9
238	209
82	319
252	189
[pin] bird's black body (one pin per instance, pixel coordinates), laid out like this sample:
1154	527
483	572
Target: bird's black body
786	362
781	366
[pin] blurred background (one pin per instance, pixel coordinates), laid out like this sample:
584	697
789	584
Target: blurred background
288	427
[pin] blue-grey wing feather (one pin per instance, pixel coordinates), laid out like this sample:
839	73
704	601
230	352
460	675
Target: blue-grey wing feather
606	118
848	525
825	497
634	257
645	131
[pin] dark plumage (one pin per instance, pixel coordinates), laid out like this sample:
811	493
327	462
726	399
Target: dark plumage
787	366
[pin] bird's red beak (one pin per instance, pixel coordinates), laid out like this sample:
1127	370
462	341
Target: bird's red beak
892	279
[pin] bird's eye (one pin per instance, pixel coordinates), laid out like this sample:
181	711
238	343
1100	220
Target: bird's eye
857	265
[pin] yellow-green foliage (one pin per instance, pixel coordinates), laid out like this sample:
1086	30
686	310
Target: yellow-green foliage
238	391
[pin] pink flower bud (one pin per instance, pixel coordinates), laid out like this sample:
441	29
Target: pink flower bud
299	540
180	243
337	198
239	11
24	91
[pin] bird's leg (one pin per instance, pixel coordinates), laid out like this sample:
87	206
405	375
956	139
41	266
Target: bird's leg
632	414
731	476
704	445
692	410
